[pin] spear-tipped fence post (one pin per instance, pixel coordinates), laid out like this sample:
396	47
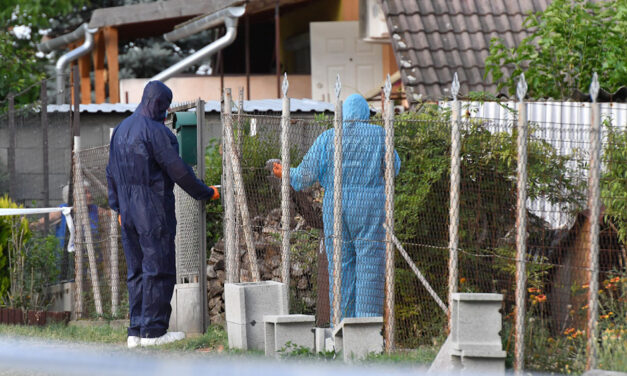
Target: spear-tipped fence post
454	196
285	186
595	211
389	217
521	227
337	206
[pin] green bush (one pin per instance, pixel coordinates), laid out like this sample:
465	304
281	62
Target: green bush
487	208
13	233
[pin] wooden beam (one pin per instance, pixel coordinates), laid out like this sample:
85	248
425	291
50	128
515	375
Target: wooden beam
145	12
84	66
99	67
111	48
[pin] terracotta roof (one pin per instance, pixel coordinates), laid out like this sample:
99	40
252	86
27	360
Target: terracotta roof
433	39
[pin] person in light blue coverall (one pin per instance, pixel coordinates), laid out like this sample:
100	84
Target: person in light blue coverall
363	200
144	164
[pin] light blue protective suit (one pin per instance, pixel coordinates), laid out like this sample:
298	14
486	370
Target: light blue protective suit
363	199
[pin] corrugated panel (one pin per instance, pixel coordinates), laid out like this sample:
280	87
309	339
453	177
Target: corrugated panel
261	105
564	125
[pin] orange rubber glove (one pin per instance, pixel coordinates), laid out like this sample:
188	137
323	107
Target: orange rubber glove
277	170
216	193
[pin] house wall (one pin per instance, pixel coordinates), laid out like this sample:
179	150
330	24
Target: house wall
208	87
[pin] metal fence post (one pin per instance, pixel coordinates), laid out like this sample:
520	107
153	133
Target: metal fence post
337	206
389	318
285	187
595	209
521	227
230	248
44	152
454	196
81	212
240	194
12	146
113	246
202	233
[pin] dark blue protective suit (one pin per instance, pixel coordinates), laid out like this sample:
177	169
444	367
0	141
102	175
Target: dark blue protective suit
363	201
144	164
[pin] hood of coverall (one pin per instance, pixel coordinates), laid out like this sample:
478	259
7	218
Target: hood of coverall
155	101
355	108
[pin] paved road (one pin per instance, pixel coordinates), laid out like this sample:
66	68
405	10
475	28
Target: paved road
32	357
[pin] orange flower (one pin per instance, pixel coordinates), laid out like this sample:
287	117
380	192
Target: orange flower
541	298
585	286
568	331
604	316
533	290
462	280
615	279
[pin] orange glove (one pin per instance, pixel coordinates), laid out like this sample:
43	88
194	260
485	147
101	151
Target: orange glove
216	192
277	170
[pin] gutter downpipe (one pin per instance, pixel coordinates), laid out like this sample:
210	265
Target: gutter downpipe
74	54
228	16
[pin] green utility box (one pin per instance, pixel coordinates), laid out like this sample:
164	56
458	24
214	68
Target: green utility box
185	126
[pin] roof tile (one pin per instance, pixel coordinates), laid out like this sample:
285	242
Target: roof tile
440	37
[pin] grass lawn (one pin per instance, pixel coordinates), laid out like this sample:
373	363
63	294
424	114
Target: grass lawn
214	341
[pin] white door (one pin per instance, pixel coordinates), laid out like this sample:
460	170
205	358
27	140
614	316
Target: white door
337	48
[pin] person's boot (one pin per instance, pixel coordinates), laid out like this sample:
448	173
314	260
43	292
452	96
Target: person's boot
169	337
133	341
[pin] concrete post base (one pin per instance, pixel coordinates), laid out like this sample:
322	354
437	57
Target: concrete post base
323	339
245	306
281	329
356	337
186	309
474	345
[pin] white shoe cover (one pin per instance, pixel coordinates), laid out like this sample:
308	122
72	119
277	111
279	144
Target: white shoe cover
133	341
169	337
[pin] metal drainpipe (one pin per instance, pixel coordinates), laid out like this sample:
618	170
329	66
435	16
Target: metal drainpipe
230	21
65	60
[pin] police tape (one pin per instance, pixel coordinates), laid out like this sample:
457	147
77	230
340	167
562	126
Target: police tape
66	211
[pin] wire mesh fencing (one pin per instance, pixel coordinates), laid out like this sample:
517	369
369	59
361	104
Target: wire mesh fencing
100	268
257	143
551	278
35	165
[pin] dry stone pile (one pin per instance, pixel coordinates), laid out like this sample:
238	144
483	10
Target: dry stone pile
267	237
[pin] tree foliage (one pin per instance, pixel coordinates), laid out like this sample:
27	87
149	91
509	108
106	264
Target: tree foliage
24	22
571	39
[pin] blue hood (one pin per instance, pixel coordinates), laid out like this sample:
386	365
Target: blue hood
355	108
155	101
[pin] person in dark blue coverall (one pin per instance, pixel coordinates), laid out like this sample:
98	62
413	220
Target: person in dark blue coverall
144	164
363	201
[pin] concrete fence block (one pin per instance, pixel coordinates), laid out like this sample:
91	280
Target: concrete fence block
186	309
477	322
323	336
283	329
474	345
62	296
356	337
245	306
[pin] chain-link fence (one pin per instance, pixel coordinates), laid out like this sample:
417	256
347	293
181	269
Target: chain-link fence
35	162
100	268
532	243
